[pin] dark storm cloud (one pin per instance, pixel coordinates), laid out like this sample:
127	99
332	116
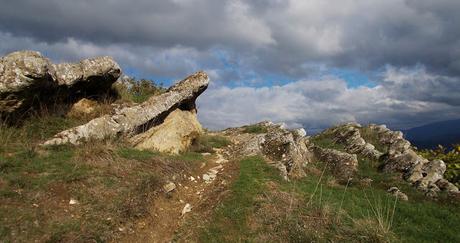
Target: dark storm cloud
409	48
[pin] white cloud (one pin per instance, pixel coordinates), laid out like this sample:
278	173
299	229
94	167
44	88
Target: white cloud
317	104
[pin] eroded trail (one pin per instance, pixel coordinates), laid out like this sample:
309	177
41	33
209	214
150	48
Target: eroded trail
193	200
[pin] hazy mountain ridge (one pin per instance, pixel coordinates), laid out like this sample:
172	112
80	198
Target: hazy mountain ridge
430	135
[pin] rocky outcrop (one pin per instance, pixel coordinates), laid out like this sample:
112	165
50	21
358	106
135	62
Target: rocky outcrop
402	158
174	135
28	78
285	149
134	120
350	136
342	165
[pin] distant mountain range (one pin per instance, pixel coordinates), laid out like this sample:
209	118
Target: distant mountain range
429	136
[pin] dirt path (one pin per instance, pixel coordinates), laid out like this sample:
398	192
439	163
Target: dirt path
193	199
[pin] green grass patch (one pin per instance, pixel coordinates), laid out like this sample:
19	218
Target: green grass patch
132	153
205	143
229	222
255	129
324	140
327	211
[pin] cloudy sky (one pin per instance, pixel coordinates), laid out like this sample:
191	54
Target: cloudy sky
309	63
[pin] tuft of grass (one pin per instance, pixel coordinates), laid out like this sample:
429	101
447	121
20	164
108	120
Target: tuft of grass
326	142
138	91
207	143
255	129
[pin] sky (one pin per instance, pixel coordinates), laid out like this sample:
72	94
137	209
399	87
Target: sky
307	63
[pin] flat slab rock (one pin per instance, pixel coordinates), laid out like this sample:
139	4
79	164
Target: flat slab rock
137	119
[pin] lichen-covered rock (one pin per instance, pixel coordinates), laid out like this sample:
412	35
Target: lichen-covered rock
98	71
342	165
350	136
285	149
445	185
28	78
24	75
133	120
402	158
174	135
288	148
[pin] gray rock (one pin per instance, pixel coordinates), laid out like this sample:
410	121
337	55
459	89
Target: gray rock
402	158
350	136
26	77
23	75
169	187
445	185
398	194
133	120
342	165
284	149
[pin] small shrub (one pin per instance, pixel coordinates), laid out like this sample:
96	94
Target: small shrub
138	91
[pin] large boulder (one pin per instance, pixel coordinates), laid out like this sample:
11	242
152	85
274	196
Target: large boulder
130	121
28	78
24	76
342	165
174	135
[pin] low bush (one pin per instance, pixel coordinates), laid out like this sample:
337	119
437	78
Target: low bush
138	90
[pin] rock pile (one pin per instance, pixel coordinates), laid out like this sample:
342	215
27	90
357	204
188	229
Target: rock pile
426	175
27	79
285	149
350	136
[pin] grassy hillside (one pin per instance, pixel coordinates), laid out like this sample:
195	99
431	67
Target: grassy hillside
262	207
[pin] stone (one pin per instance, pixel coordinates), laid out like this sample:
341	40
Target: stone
398	194
24	76
426	175
87	71
445	185
83	107
342	165
73	201
27	79
282	148
174	135
137	119
187	209
169	187
350	136
367	182
434	172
